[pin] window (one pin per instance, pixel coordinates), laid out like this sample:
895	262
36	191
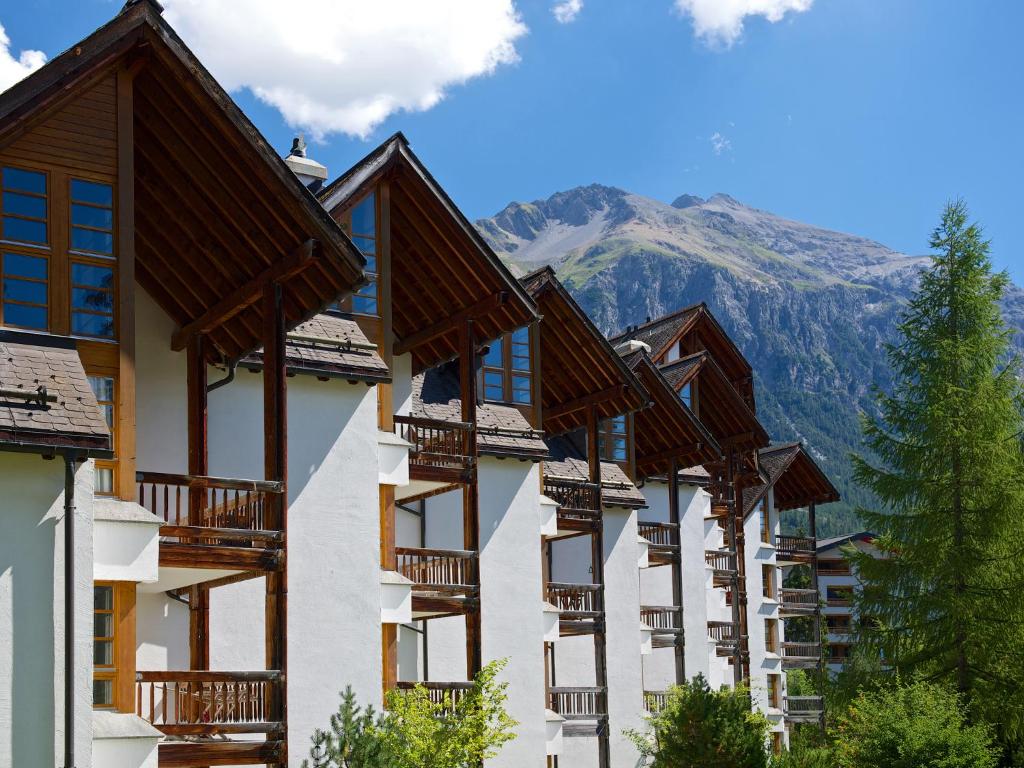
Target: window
613	439
104	653
24	207
839	596
92	247
23	227
105	389
506	373
838	653
833	567
771	636
839	624
768	581
361	225
775	691
766	536
685	395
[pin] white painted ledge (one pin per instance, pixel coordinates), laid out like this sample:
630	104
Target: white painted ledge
553	723
126	542
392	459
395	598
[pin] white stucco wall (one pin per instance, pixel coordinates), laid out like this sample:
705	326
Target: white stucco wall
32	613
511	580
622	633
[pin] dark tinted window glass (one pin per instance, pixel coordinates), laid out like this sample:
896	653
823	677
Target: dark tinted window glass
25	181
92	192
23	230
364	217
25	205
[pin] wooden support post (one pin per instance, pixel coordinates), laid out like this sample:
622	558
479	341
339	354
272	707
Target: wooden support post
275	453
597	564
813	533
471	490
677	568
198	464
388	562
734	580
125	426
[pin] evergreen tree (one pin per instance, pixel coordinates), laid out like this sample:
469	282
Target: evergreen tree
946	598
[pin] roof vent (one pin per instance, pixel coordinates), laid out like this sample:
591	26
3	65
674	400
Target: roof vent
311	173
631	346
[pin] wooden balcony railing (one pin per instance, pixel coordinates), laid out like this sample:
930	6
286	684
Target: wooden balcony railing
579	703
804	708
799	600
447	695
444	569
720	560
723	632
654	701
214	522
577	601
719	509
800	655
794	547
663	619
660	534
203	703
579	503
440	449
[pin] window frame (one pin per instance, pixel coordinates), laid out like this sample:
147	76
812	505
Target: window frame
44	250
347	304
512	349
121	672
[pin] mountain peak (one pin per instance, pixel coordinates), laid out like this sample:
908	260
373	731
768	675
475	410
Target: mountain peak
688	201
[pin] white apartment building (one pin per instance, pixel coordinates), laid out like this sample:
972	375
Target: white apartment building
837	584
264	436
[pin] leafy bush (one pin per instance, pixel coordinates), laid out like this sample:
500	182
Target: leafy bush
701	728
416	732
918	725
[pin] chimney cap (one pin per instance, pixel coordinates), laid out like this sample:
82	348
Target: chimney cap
298	146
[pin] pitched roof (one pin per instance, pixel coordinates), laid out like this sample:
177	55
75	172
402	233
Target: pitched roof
59	410
330	346
501	429
658	333
209	189
797	479
567	461
442	269
835	541
580	368
667	430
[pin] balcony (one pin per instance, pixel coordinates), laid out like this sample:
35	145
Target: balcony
654	701
445	581
580	706
581	610
794	549
798	602
440	453
804	709
800	655
666	621
723	564
200	711
579	504
446	695
664	542
213	523
725	636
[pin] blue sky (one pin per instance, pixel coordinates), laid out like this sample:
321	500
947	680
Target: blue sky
860	115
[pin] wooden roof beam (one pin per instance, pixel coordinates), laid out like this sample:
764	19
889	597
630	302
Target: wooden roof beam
246	295
594	398
451	322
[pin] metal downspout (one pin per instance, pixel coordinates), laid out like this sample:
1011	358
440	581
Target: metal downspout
69	609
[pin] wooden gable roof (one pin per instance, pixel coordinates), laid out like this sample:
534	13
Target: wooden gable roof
579	367
442	271
721	408
217	213
796	478
696	329
666	430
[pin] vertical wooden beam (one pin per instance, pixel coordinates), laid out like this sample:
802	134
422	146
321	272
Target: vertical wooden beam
388	562
198	464
471	490
275	452
126	286
813	533
124	601
597	565
734	579
677	570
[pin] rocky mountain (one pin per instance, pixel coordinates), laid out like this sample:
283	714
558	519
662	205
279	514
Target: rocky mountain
810	308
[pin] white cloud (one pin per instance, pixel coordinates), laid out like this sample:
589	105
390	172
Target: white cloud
14	69
720	22
720	143
343	66
566	11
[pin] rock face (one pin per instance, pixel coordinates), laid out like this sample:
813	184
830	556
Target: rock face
810	308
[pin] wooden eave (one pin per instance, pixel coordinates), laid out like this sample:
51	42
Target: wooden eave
721	408
667	429
442	271
580	368
216	209
802	482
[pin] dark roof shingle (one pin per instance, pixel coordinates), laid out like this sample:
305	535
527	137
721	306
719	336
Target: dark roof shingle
67	417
